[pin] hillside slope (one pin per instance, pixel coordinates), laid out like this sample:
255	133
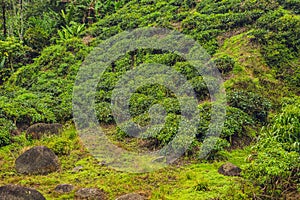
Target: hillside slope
255	46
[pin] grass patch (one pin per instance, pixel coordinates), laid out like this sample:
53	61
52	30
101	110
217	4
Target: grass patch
188	180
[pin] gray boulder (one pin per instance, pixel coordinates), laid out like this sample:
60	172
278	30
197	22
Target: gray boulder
64	188
90	194
229	169
131	196
38	130
16	192
39	160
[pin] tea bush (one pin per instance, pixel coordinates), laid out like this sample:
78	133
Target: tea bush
225	63
237	123
253	104
104	113
61	146
6	126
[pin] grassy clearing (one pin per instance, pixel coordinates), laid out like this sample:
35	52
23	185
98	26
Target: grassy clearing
191	179
250	71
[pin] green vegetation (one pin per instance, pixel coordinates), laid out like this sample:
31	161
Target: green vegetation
254	44
276	155
177	181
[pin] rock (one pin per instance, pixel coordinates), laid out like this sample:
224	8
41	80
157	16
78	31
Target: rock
90	194
102	163
15	132
77	169
20	127
131	196
64	188
16	192
37	160
229	169
36	131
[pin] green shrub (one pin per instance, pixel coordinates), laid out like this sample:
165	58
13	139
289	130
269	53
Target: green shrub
277	31
61	146
237	123
51	58
163	131
225	63
143	119
213	147
291	5
140	103
252	104
27	107
171	105
15	53
50	78
62	107
275	159
263	5
169	59
36	38
285	126
5	127
202	186
186	69
273	169
156	91
108	81
104	113
208	7
200	88
70	31
169	130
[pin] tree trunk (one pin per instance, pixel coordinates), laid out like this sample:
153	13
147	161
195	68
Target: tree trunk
21	20
4	18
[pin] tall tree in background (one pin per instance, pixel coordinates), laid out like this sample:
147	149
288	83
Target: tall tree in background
4	18
12	18
21	31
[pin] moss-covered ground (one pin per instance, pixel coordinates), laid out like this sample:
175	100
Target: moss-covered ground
188	178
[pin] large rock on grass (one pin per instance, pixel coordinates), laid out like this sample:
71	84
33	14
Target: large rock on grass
38	130
16	192
90	194
39	160
229	169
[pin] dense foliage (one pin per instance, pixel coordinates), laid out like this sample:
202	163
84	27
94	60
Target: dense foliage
254	44
275	166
